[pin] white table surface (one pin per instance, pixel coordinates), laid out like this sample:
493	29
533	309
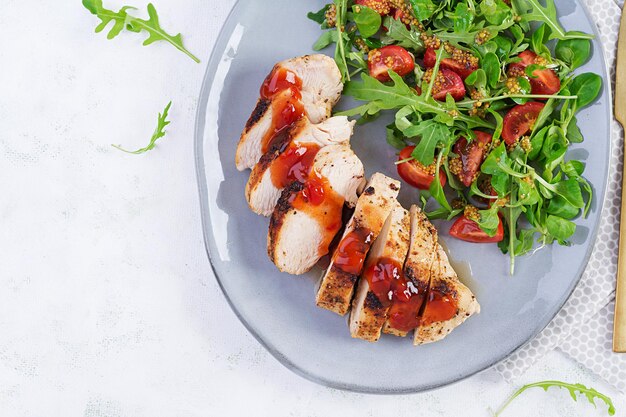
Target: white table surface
108	307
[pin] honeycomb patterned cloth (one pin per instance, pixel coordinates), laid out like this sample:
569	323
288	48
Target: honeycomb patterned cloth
582	328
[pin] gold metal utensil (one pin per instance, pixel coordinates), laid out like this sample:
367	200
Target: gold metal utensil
619	329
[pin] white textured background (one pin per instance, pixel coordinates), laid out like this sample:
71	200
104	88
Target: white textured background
108	307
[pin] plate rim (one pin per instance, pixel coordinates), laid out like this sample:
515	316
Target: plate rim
198	144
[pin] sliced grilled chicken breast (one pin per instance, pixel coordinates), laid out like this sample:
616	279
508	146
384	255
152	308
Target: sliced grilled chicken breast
369	312
319	91
448	304
303	140
419	262
372	209
321	83
308	216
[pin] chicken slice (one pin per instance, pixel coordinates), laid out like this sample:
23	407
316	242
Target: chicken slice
418	264
369	312
308	216
321	83
448	304
372	209
320	91
262	191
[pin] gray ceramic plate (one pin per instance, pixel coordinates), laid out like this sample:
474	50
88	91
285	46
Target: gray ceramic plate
279	309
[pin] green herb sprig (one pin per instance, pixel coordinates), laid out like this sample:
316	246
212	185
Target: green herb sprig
122	20
159	132
574	389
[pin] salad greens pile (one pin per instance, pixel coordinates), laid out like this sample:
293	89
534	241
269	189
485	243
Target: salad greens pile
531	185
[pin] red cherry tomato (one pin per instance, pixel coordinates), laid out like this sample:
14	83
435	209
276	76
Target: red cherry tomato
469	231
472	155
414	173
382	7
393	57
520	120
463	69
546	81
448	82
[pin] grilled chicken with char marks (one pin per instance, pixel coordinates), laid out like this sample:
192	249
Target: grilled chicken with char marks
372	209
290	160
418	264
448	303
308	215
370	305
304	86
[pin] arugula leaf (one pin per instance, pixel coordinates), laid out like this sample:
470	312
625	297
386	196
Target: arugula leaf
122	20
159	132
325	39
398	34
343	40
590	394
436	190
386	96
431	134
560	228
319	16
367	20
533	10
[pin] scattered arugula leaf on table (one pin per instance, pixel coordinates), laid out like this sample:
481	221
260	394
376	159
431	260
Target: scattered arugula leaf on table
590	394
122	20
159	132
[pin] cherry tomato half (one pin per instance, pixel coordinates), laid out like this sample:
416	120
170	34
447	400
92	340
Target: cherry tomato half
546	81
469	231
463	69
520	120
471	155
393	57
448	82
414	173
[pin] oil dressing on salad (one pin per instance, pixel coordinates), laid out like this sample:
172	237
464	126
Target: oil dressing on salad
485	100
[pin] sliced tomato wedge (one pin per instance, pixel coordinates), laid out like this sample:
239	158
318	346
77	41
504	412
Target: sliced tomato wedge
464	69
448	82
382	7
393	57
472	155
469	231
520	120
546	81
415	173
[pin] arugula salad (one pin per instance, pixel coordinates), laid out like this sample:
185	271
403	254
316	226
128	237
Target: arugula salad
485	100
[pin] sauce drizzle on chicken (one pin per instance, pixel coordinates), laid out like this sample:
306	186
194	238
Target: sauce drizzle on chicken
440	306
283	88
293	164
387	280
318	199
351	251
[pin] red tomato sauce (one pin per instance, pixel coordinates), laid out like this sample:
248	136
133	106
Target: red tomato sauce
283	88
293	164
439	307
351	251
321	202
386	279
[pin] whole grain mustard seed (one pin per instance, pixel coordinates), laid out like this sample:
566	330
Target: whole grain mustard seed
471	212
331	16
